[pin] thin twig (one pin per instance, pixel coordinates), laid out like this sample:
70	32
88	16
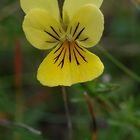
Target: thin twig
29	128
91	109
69	122
8	123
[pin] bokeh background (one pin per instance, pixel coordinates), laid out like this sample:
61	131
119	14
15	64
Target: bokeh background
29	111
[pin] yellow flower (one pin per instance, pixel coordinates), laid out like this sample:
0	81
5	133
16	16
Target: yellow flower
81	27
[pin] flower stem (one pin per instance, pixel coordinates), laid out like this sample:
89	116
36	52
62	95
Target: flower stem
18	86
91	109
119	64
69	122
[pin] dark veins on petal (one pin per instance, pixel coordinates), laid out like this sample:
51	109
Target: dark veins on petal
72	49
58	48
55	31
85	39
80	54
80	47
76	29
50	42
69	52
78	33
56	36
76	57
63	60
57	57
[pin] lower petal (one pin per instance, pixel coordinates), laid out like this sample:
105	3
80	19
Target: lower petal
69	64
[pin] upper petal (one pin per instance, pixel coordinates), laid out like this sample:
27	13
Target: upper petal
41	29
69	64
71	6
50	5
86	26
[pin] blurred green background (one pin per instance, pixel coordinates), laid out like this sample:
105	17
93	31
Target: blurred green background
29	111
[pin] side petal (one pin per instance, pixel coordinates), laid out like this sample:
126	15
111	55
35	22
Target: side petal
50	5
86	26
41	29
69	64
72	6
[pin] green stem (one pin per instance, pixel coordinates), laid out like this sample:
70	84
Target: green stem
69	122
119	64
19	111
19	107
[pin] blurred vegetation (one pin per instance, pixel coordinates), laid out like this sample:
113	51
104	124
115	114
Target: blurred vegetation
41	113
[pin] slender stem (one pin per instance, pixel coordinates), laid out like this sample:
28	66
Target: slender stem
19	111
91	109
29	128
119	64
10	124
69	122
18	86
19	106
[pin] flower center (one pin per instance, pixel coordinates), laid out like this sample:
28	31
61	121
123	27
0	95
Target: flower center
72	34
69	50
68	38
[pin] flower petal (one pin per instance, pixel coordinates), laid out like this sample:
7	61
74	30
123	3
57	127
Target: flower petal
68	64
86	26
41	29
50	5
72	6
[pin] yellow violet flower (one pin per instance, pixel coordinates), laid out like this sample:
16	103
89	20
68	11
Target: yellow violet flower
81	27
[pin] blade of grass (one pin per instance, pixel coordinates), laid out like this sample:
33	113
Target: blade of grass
119	64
